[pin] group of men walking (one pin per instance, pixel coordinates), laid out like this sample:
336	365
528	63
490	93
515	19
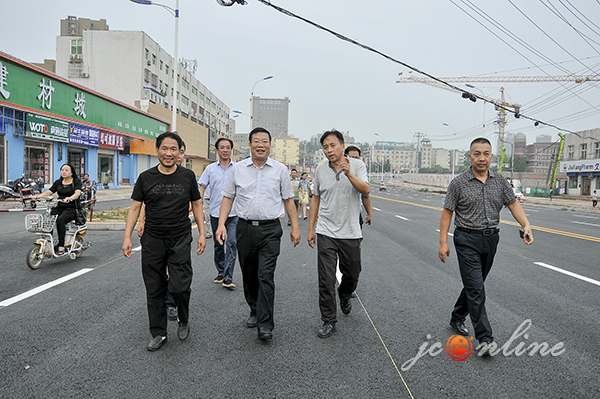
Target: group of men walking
249	197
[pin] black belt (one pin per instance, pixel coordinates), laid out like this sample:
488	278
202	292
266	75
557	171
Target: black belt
259	222
484	232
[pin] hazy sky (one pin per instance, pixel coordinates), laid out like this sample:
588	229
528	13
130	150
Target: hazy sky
334	84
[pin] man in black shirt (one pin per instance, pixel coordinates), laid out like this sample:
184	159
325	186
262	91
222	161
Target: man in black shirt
166	190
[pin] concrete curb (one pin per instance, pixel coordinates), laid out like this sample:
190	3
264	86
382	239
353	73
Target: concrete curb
106	226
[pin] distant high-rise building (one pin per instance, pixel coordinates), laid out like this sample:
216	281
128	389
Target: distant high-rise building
73	26
272	114
543	138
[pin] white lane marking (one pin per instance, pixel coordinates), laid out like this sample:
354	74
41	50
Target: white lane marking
568	273
41	288
377	209
586	216
401	217
426	200
450	234
587	224
136	249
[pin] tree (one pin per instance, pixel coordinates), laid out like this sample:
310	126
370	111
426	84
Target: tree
521	164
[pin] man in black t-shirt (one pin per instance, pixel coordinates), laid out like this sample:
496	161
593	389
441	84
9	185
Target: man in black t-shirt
166	190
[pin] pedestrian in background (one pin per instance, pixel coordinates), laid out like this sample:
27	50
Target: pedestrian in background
167	190
303	195
215	175
354	152
262	191
296	187
339	183
594	199
476	197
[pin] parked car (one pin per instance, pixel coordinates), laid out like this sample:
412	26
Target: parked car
518	194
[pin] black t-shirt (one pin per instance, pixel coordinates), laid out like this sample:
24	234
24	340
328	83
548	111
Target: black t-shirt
167	199
66	190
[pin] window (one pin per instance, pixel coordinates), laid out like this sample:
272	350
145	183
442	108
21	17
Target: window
597	150
167	69
161	65
572	181
147	54
153	59
570	152
77	47
583	151
185	100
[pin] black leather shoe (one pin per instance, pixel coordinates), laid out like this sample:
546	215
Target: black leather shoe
156	343
183	331
326	330
264	333
172	313
251	323
484	348
345	305
459	327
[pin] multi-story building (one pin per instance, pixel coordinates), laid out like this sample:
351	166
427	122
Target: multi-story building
240	141
541	156
133	68
580	161
272	114
400	155
285	150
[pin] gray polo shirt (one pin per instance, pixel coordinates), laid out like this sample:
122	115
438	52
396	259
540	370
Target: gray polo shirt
339	200
477	205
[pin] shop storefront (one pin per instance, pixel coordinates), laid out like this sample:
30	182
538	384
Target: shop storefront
583	176
46	121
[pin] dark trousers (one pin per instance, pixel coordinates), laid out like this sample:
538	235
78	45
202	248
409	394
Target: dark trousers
65	216
475	254
328	251
158	256
258	249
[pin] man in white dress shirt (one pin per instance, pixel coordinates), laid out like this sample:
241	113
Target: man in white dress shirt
262	191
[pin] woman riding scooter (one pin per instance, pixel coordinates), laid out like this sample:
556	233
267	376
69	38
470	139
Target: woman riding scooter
68	188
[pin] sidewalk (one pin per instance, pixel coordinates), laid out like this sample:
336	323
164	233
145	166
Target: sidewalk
557	202
101	195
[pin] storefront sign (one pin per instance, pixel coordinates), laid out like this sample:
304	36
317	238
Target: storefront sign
111	141
26	87
583	165
44	127
84	135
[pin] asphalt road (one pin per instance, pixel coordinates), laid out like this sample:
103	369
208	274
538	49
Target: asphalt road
86	337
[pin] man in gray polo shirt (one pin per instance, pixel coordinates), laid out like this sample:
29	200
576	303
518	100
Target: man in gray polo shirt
339	184
477	197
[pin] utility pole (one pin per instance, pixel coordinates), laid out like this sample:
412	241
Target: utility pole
418	135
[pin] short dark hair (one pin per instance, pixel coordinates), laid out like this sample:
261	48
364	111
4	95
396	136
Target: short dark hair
352	148
259	130
480	140
334	132
182	146
169	135
304	173
294	170
221	139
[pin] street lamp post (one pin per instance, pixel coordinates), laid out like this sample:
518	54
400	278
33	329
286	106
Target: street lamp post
252	99
453	147
175	13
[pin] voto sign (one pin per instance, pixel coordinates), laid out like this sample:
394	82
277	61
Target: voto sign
44	127
32	91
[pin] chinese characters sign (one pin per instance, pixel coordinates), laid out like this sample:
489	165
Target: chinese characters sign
44	127
84	135
29	88
112	141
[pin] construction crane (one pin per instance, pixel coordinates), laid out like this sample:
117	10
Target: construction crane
501	104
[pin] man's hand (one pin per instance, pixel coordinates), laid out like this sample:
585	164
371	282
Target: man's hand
295	235
221	234
311	238
201	244
528	235
345	165
140	229
443	252
126	248
368	219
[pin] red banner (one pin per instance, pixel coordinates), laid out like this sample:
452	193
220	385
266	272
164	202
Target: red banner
112	141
